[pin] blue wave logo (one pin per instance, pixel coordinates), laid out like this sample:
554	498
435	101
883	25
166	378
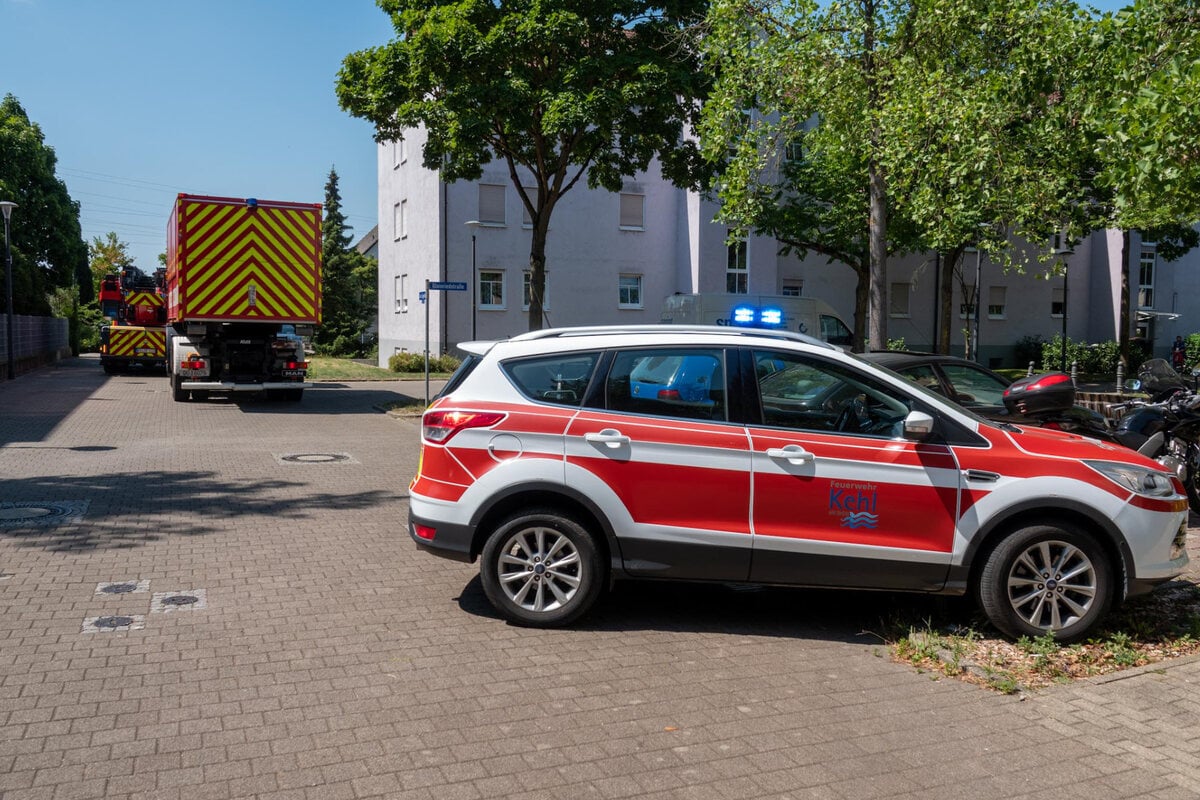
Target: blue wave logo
863	520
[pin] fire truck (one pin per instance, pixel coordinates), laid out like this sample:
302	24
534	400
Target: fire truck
135	336
243	285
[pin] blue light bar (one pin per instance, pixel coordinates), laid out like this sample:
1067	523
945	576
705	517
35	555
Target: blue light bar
743	315
772	317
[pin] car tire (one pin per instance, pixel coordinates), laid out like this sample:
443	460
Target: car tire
517	581
1046	579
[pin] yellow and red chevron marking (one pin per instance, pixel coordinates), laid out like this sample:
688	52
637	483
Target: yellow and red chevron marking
144	299
131	342
251	263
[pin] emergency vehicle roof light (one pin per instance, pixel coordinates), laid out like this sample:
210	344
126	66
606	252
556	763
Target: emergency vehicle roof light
743	315
251	202
771	316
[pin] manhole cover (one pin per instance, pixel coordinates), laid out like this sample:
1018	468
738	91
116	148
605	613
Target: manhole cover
185	600
24	512
41	513
123	587
113	622
315	458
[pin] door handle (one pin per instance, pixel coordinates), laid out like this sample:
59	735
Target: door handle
609	436
794	453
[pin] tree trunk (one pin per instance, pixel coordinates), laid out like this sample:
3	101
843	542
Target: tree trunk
537	270
1123	322
878	267
946	300
861	304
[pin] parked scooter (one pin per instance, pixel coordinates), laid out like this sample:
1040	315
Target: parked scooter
1166	427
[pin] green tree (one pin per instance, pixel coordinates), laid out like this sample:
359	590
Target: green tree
782	67
47	247
1141	126
556	90
108	255
347	281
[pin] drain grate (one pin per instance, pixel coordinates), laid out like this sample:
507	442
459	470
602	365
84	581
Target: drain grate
113	623
316	458
182	600
123	587
43	513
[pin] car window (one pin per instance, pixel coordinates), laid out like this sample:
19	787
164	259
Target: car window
923	375
816	395
561	378
974	386
834	331
668	382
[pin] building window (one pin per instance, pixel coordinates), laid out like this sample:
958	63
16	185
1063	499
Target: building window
398	226
629	291
633	212
1056	302
399	151
1146	278
793	151
966	309
997	297
491	204
792	289
898	300
491	289
737	272
526	219
401	294
527	290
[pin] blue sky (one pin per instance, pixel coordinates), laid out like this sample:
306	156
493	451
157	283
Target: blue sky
143	99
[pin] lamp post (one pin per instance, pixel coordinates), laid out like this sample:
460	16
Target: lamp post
473	224
6	207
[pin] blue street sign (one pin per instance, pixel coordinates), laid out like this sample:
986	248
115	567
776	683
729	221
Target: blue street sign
420	297
448	286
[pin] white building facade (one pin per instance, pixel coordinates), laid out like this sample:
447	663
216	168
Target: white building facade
612	258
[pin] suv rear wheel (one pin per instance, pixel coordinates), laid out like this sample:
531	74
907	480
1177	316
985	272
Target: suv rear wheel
1046	579
541	568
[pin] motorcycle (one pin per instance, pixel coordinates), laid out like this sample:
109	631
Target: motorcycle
1048	401
1166	427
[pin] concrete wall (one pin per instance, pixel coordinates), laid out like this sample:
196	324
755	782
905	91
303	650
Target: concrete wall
39	340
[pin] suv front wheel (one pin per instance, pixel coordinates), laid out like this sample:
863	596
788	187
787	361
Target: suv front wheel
1046	579
541	568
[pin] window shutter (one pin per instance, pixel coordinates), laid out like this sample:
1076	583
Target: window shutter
491	204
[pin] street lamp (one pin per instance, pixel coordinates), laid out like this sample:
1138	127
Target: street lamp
473	224
6	207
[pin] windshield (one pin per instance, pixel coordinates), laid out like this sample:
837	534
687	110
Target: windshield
937	398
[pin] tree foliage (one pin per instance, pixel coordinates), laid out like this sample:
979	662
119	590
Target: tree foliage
107	255
348	282
558	91
47	247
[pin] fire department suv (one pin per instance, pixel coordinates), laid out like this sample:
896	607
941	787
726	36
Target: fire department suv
568	458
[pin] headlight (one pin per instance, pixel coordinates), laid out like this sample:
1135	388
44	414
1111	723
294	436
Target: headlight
1146	482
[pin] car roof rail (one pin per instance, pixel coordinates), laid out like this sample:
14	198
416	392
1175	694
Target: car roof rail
616	330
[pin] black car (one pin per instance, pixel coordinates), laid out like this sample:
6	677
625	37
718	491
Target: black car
982	391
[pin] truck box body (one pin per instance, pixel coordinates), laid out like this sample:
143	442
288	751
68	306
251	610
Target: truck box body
806	315
243	260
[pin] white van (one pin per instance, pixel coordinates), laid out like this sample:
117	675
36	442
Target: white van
806	315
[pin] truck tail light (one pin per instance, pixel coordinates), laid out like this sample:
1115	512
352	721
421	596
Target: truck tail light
439	426
297	365
193	362
669	394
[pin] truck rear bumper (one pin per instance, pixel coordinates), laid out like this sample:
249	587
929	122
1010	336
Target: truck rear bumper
230	386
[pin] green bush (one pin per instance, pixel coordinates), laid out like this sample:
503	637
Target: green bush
407	362
1027	349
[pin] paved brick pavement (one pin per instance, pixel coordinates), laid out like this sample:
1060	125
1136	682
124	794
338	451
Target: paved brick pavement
194	616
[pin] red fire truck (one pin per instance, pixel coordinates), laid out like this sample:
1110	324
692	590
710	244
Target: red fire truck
135	336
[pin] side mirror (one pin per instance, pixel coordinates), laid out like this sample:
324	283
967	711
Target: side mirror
917	425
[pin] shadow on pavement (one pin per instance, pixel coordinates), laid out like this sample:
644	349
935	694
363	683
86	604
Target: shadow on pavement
46	397
130	509
853	617
329	399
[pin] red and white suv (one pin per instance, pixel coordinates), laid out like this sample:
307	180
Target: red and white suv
771	458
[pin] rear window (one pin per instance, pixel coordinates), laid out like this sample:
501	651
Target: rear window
464	369
561	378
